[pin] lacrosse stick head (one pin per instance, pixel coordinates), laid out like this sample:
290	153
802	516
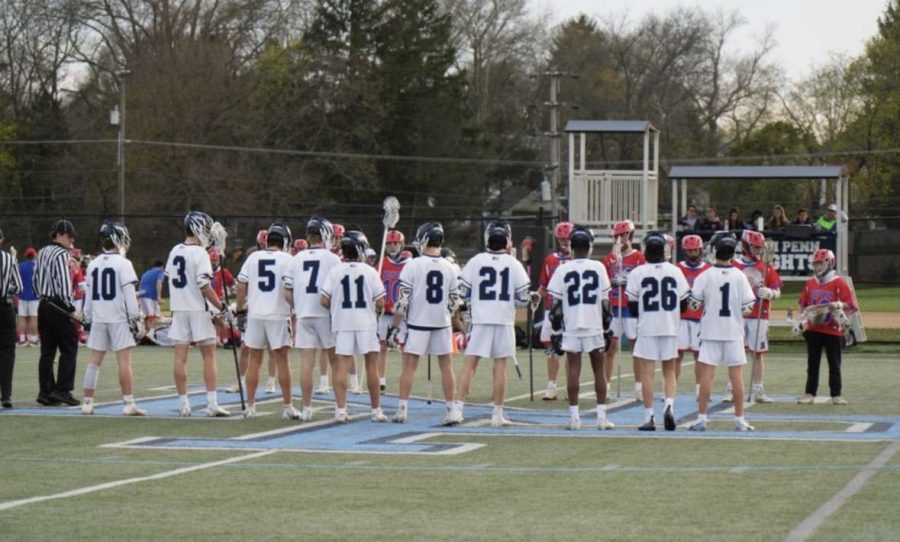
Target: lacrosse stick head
218	236
391	208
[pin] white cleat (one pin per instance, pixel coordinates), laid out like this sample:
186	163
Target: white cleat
341	417
307	415
378	416
759	395
356	390
697	426
400	415
453	417
87	408
574	423
133	410
741	425
249	413
290	413
185	411
550	394
323	390
270	387
605	425
235	388
216	412
499	420
728	396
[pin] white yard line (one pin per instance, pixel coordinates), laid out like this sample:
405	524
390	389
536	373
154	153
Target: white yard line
808	526
128	481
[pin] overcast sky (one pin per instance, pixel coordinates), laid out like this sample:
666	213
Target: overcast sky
805	30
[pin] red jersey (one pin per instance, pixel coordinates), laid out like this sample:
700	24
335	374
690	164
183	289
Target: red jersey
77	283
691	272
629	262
217	281
551	262
815	293
754	271
390	276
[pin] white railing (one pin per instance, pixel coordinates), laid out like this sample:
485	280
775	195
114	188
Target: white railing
602	198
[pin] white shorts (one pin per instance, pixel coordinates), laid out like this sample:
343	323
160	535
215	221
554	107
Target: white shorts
314	332
546	328
262	334
149	307
28	308
192	326
492	341
689	336
722	353
384	320
110	337
753	345
629	323
656	348
587	343
351	343
430	341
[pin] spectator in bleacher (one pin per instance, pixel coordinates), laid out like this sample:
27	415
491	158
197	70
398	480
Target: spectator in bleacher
802	217
828	222
756	222
689	221
778	220
735	219
711	222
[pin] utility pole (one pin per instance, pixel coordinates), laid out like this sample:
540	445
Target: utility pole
555	166
118	117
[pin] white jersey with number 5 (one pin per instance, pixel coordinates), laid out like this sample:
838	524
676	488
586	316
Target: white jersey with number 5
108	298
493	282
353	287
725	293
432	280
581	285
189	270
263	272
305	277
658	289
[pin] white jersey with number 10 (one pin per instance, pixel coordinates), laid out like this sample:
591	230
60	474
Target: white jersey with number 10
353	288
107	299
263	272
725	293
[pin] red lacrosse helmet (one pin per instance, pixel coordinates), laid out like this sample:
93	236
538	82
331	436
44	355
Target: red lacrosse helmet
395	236
75	253
261	238
405	255
820	256
623	227
214	255
692	242
30	252
752	243
563	230
338	231
300	244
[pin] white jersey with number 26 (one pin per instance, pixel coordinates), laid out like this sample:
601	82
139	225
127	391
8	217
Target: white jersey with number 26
658	289
725	293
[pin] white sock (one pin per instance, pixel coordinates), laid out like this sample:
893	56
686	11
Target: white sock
184	400
648	414
670	402
638	389
22	338
91	375
129	399
341	410
403	403
740	419
88	400
212	399
354	381
459	405
601	411
382	381
270	381
696	389
323	381
33	338
573	411
376	410
498	410
551	384
701	418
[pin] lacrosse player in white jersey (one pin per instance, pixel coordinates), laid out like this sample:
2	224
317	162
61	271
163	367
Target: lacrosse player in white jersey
112	314
268	324
580	315
494	283
190	294
302	285
725	294
429	296
354	294
657	291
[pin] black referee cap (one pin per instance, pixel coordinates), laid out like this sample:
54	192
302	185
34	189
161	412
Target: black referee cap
63	227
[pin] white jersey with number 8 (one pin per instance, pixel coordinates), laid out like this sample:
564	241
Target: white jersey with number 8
581	285
263	272
432	280
658	289
189	270
305	277
725	293
353	288
493	283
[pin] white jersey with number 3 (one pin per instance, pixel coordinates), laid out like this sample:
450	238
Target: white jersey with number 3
353	288
188	270
581	285
431	280
493	281
725	293
108	299
305	277
658	289
263	273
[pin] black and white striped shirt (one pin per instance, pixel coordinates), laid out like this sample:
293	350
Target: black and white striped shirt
52	278
10	279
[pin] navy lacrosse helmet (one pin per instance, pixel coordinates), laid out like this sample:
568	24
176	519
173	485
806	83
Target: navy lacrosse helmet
199	224
321	226
498	230
581	237
115	234
278	231
430	234
354	245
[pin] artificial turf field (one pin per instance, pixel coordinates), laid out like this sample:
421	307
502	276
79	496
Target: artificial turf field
164	478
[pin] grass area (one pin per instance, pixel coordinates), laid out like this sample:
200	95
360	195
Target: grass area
512	487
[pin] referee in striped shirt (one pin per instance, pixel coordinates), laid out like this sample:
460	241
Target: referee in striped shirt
10	285
56	317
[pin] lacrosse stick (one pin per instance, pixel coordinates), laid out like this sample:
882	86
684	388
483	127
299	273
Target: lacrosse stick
768	256
219	235
617	251
391	217
529	338
429	379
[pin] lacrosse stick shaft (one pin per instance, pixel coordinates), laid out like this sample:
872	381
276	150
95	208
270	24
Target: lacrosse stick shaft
529	336
767	258
618	249
429	379
234	346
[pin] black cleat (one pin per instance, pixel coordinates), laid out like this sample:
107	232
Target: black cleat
47	399
6	403
65	397
669	419
649	426
383	389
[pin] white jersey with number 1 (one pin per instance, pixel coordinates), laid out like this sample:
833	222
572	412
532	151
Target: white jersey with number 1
188	270
493	281
658	289
107	299
305	278
353	288
431	280
725	293
581	285
263	273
